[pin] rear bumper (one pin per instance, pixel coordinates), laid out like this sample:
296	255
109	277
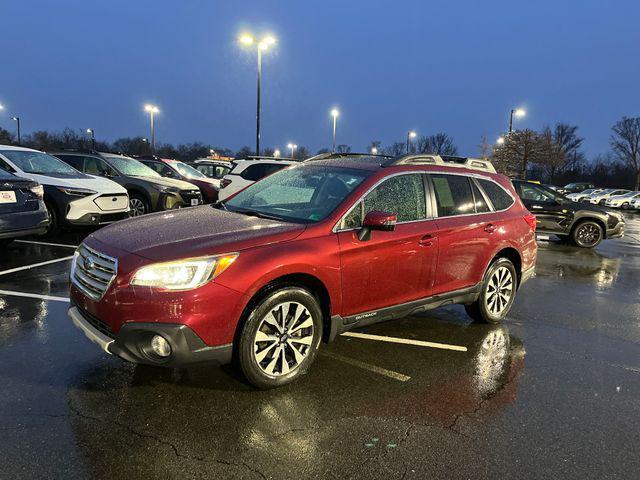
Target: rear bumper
133	340
616	232
21	224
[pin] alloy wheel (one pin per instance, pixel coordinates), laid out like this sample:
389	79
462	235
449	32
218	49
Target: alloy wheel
137	207
284	339
588	234
499	291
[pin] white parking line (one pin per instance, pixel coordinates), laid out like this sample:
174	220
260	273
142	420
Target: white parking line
34	295
372	368
405	341
27	267
47	243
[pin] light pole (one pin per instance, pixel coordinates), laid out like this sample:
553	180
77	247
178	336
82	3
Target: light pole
248	40
334	113
518	112
276	153
374	151
91	132
152	109
410	136
293	147
17	120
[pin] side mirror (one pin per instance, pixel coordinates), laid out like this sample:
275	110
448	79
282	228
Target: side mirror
376	220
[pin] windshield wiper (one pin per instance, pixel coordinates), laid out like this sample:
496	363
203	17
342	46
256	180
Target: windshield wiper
254	213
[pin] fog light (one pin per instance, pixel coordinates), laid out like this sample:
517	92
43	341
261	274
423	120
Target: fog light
160	346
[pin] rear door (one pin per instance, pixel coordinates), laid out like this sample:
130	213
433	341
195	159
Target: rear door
466	230
392	267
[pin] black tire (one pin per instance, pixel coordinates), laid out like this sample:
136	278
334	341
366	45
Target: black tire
587	234
138	205
481	309
255	370
53	220
626	205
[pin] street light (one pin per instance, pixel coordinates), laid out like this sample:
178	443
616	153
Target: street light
410	135
374	151
518	113
91	132
1	107
334	113
248	40
276	153
17	120
293	147
500	141
152	109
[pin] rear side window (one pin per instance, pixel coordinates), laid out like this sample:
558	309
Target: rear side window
453	195
479	201
499	197
260	170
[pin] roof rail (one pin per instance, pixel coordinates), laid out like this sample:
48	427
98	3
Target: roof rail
445	160
330	155
265	157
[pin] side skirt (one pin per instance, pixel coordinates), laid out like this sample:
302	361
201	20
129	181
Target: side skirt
342	324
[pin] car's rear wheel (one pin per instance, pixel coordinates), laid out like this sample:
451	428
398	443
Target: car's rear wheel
497	293
280	338
138	206
587	234
625	206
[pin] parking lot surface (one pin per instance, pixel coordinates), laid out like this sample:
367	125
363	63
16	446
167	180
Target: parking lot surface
554	392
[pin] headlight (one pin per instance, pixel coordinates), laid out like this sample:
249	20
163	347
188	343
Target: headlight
38	190
183	274
163	189
76	192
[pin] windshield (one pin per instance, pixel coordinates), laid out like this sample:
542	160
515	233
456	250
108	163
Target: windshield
187	170
589	191
131	167
38	162
303	193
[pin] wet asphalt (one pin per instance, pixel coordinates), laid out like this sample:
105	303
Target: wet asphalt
554	392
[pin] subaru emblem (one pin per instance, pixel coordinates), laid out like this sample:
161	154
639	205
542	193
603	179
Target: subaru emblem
88	263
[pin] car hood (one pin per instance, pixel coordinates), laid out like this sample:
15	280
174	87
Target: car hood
81	180
590	207
169	182
192	232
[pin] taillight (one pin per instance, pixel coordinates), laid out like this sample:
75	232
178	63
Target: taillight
530	218
225	182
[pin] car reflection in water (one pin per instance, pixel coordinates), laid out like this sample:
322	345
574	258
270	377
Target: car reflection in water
210	414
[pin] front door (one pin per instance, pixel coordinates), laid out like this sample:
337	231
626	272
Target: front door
392	267
551	214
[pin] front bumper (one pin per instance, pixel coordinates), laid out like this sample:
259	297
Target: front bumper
90	219
616	232
132	343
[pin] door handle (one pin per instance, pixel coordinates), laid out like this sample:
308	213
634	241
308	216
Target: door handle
426	241
489	228
537	207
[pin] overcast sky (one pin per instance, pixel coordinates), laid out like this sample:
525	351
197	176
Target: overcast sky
390	66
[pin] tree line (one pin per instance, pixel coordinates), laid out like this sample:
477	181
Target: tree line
553	155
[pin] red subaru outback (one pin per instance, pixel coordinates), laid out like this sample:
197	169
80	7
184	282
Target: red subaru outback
305	254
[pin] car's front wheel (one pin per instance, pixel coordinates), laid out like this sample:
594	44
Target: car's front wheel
587	234
280	338
497	293
138	206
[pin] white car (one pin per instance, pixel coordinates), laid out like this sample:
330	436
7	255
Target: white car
580	196
72	198
213	169
246	172
601	197
634	204
622	201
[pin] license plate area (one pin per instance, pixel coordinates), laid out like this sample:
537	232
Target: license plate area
8	197
194	202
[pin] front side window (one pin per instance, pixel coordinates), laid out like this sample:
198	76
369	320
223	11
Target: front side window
305	194
260	170
38	163
499	197
187	170
535	193
401	194
479	201
453	195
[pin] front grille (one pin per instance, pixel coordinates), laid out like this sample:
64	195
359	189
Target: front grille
112	202
92	272
189	194
96	322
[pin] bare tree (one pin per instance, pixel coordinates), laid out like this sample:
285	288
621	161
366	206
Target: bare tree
396	149
438	144
6	137
377	144
486	149
520	149
343	148
625	143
